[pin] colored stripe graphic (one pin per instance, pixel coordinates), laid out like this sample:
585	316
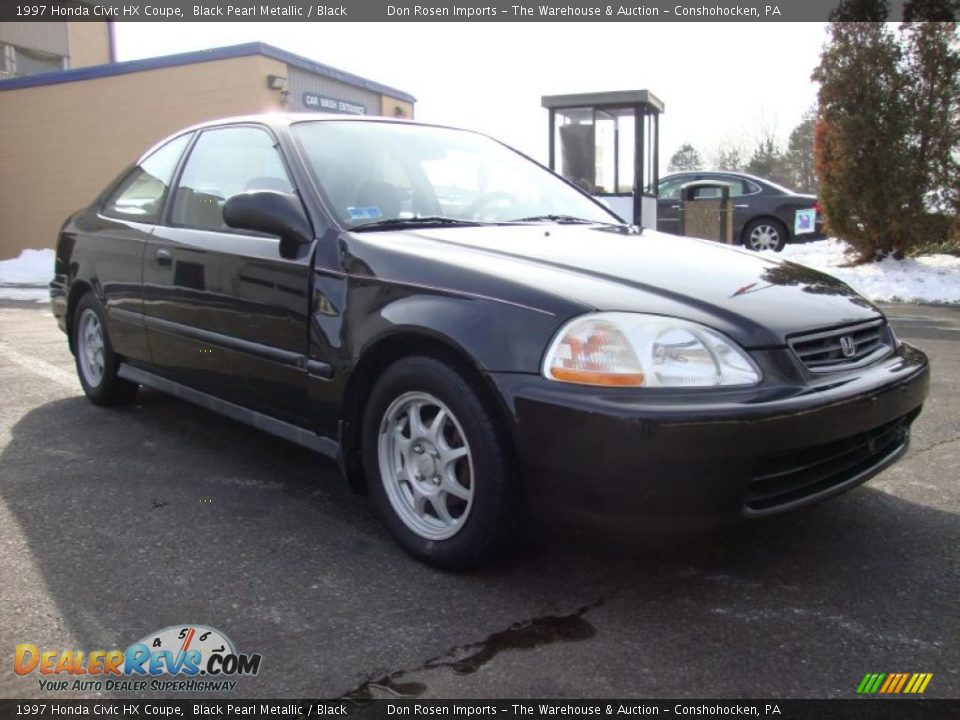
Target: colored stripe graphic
918	683
903	680
870	683
894	683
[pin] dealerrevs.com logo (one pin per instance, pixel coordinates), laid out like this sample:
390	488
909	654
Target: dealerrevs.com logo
180	658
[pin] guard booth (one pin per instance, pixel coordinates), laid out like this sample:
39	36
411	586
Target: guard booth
608	144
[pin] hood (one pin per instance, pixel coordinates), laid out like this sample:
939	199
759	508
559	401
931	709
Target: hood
752	298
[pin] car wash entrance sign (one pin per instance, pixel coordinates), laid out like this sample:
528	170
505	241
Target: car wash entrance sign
322	103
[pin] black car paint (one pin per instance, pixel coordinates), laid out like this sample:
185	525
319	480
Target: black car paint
292	345
771	202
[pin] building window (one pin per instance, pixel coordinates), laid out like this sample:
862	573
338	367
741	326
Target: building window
19	62
8	65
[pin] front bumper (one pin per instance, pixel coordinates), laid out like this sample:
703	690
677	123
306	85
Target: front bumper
694	458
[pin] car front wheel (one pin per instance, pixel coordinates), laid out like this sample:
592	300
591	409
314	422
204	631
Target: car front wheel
765	235
436	466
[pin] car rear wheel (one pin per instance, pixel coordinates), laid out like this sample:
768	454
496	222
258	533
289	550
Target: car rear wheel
96	362
765	234
435	465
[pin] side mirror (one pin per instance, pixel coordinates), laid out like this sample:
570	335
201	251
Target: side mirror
271	212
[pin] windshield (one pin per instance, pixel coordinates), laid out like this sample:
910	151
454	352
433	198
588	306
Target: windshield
383	175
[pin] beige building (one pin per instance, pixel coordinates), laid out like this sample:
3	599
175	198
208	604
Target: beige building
65	134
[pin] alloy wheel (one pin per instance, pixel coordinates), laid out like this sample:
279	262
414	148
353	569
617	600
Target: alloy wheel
765	237
425	465
91	348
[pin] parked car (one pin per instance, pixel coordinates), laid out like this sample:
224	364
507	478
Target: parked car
471	337
764	213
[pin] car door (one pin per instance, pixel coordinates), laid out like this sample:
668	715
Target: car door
116	236
226	314
668	203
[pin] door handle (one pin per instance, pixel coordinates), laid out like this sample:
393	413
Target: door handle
741	206
674	207
164	258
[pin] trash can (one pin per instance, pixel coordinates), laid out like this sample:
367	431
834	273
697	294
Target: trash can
706	211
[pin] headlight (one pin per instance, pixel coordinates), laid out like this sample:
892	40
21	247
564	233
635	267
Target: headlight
634	350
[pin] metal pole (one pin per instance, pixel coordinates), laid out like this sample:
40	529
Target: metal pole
638	167
616	153
656	153
551	121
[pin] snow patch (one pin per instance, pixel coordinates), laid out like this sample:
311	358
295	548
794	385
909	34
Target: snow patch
33	267
928	278
26	277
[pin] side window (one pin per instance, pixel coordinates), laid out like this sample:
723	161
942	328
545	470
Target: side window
737	186
670	189
751	188
224	163
140	196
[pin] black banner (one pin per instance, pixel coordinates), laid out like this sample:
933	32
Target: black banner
443	10
854	709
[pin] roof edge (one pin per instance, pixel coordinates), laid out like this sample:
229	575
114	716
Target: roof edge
228	52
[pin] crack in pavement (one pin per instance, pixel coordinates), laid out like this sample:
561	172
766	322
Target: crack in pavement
468	658
934	446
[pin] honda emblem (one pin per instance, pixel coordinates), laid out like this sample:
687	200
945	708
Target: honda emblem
848	346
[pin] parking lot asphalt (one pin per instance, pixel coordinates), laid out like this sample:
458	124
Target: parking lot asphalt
117	523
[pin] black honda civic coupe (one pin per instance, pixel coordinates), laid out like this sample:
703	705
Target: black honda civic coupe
471	337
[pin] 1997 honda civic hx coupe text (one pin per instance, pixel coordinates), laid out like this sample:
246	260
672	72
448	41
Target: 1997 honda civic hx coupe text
471	337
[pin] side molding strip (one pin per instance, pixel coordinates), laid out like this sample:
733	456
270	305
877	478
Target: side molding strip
266	352
281	429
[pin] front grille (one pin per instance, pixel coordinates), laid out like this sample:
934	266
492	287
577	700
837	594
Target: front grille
784	479
843	348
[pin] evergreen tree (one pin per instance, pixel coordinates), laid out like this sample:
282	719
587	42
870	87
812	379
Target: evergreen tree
932	65
860	147
799	155
860	11
686	158
930	11
768	162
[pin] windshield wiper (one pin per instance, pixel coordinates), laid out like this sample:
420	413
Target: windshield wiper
560	219
426	221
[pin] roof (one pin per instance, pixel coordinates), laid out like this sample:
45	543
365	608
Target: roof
616	97
286	118
732	173
190	58
277	120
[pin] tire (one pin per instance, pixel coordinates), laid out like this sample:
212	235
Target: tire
444	493
96	362
765	234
